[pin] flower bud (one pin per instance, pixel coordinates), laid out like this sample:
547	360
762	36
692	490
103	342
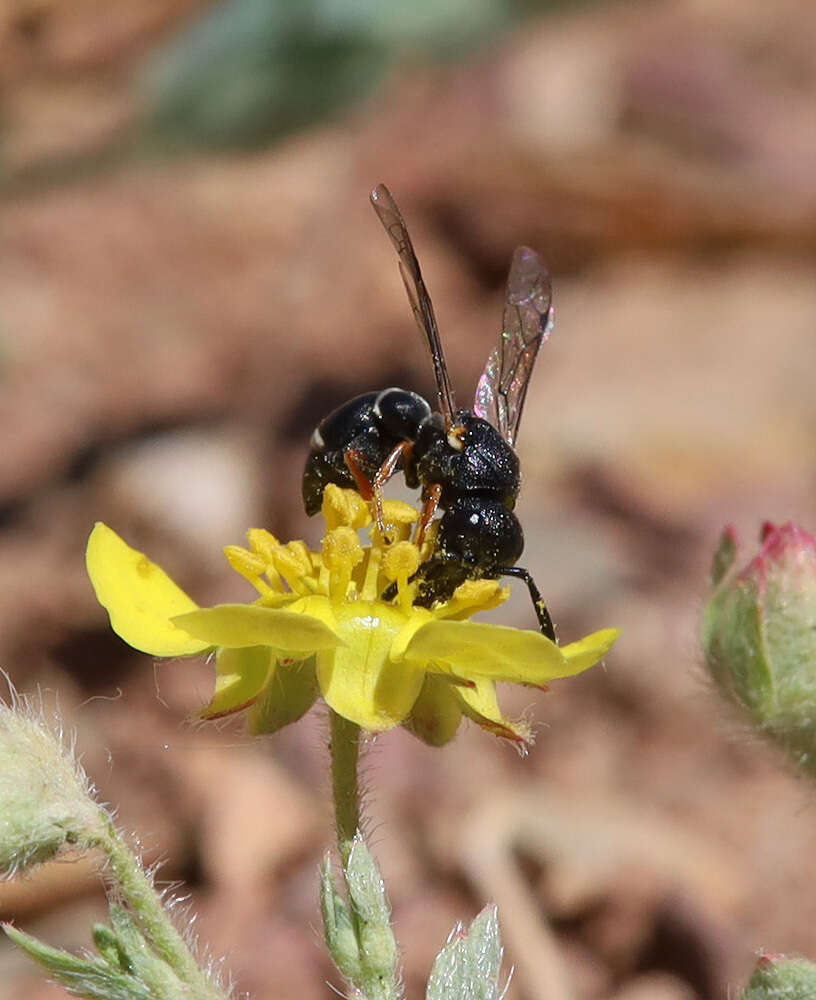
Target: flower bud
470	963
45	802
358	934
778	977
759	636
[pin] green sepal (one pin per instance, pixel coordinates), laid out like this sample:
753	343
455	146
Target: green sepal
724	556
289	694
734	642
436	714
241	675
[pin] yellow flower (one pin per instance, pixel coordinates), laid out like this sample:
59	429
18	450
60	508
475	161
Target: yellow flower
320	626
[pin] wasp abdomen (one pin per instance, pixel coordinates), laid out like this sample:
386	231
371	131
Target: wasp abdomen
483	533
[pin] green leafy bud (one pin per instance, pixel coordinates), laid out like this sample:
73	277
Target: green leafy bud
372	919
338	928
45	796
128	967
358	934
85	976
759	636
777	977
109	948
468	966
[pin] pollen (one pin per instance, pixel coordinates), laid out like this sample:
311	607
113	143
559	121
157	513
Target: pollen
344	508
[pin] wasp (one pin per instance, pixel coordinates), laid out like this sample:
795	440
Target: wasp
464	460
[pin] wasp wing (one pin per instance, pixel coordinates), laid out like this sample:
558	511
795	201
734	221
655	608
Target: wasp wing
528	320
391	218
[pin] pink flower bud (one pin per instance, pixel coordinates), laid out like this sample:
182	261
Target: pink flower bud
778	977
759	635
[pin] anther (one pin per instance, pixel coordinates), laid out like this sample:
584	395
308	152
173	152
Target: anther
342	551
262	542
344	508
250	565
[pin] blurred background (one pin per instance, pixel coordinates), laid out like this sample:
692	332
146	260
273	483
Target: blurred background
192	277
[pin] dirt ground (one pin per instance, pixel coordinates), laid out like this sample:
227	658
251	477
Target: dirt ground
172	329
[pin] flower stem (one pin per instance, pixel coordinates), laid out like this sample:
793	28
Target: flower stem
344	747
152	918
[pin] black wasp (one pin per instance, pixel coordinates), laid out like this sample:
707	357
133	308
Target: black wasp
463	459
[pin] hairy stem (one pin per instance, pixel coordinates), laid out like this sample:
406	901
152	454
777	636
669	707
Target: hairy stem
152	918
344	746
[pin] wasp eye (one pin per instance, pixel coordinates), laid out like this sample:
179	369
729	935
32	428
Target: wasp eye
455	435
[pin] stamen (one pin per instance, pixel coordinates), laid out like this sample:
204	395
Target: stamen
291	567
472	595
250	565
342	551
399	516
369	590
265	544
262	542
401	561
301	553
397	519
344	508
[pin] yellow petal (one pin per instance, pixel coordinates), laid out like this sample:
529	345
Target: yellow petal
240	625
241	675
474	649
290	693
139	596
590	650
316	606
376	697
360	682
437	712
481	705
416	619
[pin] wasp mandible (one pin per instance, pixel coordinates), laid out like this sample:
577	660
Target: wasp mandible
464	460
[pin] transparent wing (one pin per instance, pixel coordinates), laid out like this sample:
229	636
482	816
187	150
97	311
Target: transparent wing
528	320
390	217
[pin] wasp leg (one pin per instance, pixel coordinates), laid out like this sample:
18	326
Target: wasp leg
431	496
352	458
544	621
384	473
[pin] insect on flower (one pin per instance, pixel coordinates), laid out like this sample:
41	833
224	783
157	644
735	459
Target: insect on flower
464	460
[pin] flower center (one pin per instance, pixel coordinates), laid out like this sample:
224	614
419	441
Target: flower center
344	570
